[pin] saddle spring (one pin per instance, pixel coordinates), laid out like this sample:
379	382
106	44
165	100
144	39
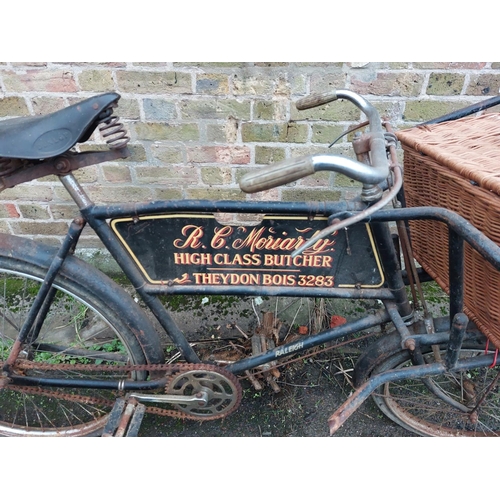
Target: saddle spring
112	130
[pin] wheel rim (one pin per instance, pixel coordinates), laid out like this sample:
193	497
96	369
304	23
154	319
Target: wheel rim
411	404
74	332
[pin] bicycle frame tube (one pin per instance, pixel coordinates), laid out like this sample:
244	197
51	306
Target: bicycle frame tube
392	293
97	217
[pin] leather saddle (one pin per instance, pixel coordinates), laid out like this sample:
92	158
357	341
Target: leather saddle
47	136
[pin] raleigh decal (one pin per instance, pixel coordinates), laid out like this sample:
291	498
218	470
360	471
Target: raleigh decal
282	351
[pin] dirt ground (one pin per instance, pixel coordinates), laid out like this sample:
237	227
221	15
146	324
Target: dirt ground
296	412
310	391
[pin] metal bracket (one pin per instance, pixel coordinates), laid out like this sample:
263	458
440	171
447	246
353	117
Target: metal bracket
59	165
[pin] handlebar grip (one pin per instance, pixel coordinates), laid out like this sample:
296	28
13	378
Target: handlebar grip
311	101
278	174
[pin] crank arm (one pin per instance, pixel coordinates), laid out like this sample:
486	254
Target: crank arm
200	397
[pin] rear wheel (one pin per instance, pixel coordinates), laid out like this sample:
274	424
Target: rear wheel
81	327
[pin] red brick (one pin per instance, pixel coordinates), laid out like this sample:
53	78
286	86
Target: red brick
54	80
11	210
239	156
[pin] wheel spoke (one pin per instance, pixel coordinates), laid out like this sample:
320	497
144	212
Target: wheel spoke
73	332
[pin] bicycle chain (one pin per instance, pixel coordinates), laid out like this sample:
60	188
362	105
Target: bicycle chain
169	369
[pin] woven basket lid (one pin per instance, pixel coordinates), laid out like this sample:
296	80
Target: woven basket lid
468	146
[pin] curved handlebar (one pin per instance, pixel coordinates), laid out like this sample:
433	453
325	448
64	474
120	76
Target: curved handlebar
312	101
293	169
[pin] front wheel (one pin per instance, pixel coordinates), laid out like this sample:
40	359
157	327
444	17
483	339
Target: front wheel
91	322
443	407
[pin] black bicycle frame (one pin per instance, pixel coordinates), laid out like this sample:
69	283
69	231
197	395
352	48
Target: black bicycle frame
392	292
97	217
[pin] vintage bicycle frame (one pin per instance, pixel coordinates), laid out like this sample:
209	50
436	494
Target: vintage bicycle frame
389	288
143	215
358	262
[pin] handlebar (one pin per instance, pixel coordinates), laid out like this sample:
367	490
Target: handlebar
293	169
313	101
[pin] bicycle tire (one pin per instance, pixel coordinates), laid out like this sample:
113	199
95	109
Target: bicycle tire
91	320
413	406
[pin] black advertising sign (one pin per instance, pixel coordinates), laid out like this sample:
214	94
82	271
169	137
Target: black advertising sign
188	250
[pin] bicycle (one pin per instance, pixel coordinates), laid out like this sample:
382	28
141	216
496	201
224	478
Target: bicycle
78	352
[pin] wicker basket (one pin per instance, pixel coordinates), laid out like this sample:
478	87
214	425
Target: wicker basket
456	165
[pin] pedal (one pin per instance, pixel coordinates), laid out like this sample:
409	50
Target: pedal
125	418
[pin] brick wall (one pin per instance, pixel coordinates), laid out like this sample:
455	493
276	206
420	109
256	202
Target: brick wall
197	127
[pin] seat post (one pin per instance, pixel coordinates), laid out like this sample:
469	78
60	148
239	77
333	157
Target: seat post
76	191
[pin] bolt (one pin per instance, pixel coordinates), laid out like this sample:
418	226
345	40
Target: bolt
410	344
200	395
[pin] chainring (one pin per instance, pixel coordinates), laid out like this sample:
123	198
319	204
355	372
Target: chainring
221	389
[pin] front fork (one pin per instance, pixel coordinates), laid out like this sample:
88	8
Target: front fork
43	300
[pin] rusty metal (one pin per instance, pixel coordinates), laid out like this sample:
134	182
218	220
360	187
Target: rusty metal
364	215
265	356
349	130
313	352
490	388
475	238
114	419
9	165
361	146
339	417
28	171
173	370
263	340
13	356
255	383
217	392
457	335
131	415
407	341
307	342
32	253
45	294
4	380
112	130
